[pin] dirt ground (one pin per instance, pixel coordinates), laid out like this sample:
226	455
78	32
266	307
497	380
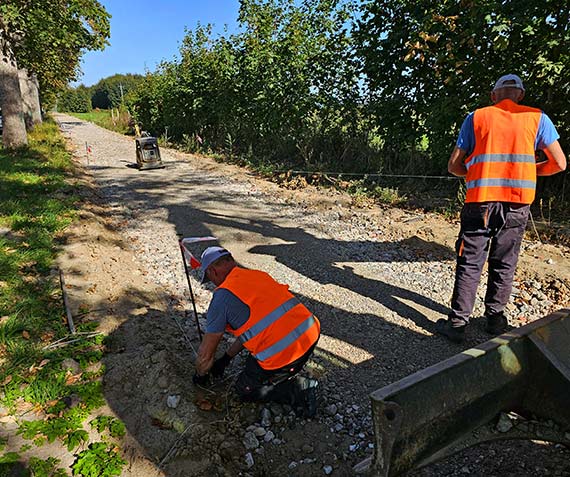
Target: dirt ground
176	430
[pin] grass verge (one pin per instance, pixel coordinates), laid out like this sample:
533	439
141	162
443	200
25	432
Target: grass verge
118	121
42	374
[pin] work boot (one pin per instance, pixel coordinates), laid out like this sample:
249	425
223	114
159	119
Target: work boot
497	324
305	397
453	333
310	405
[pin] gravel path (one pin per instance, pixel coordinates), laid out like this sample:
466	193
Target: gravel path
378	282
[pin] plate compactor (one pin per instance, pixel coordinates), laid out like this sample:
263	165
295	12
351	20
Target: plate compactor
148	153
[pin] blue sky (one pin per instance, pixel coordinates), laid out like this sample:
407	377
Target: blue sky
145	32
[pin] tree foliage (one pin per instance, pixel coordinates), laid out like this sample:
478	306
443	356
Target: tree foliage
110	92
48	37
285	88
428	63
75	100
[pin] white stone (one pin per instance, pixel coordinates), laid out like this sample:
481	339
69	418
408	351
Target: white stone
172	401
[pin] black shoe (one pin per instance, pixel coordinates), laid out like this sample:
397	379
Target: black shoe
305	397
310	404
497	324
453	333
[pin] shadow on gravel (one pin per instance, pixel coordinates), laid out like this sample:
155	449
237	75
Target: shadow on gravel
150	360
68	124
304	253
505	459
391	296
100	168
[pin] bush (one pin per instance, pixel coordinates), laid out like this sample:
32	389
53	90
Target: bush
75	100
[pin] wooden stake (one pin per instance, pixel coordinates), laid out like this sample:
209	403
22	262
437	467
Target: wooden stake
66	303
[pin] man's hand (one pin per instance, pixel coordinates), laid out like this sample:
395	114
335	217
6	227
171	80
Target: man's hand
201	380
219	365
206	352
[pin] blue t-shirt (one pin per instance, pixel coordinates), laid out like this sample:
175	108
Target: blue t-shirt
545	136
226	309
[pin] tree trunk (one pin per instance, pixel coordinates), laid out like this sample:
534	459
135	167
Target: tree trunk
13	125
30	98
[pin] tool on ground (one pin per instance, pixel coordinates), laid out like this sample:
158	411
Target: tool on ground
514	386
66	303
187	257
148	153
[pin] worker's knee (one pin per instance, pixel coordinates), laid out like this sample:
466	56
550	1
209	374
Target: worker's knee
246	388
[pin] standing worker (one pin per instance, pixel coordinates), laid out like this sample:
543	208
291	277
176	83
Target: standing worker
273	325
498	143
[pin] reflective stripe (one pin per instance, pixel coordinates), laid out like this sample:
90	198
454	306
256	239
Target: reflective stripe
286	340
515	183
500	158
269	319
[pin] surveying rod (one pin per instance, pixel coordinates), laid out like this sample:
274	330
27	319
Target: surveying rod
190	288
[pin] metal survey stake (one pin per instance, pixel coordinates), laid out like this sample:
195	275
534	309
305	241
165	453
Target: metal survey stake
190	288
194	263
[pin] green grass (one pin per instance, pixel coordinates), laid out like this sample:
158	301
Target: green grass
37	203
103	118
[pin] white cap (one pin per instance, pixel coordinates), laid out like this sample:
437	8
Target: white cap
509	81
209	256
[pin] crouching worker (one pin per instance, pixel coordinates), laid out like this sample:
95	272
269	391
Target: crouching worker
279	332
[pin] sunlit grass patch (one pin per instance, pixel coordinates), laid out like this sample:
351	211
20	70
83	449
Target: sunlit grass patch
119	121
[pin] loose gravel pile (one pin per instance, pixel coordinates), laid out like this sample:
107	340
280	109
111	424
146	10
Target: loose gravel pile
377	281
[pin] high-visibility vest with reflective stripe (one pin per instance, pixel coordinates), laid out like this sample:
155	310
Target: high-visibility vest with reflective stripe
502	166
280	329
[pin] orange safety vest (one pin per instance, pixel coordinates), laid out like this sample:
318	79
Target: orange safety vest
280	329
502	166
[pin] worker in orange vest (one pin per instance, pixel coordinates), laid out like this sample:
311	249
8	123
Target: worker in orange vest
279	332
495	153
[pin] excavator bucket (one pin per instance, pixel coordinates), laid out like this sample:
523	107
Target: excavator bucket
514	386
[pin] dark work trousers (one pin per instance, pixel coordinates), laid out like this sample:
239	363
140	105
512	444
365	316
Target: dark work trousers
493	231
279	385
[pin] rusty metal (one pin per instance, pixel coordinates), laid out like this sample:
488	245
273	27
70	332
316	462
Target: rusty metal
514	386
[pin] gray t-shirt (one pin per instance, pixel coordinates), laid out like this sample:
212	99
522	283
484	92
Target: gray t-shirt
226	309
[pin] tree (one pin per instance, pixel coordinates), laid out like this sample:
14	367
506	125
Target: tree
29	88
298	79
428	63
283	89
47	38
13	125
75	100
110	92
